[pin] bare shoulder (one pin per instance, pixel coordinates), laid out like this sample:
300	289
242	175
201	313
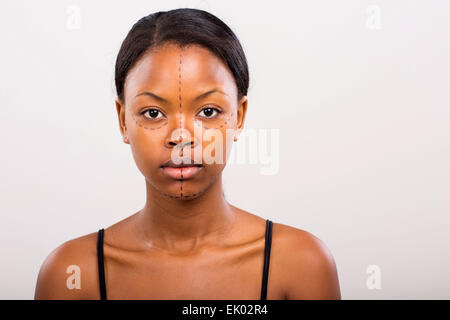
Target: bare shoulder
70	271
306	266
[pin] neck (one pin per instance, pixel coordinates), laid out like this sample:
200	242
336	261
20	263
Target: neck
174	223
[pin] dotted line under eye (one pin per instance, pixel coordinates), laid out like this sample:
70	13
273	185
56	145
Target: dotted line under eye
165	124
226	121
145	127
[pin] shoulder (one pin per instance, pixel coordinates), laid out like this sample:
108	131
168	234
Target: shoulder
70	271
307	267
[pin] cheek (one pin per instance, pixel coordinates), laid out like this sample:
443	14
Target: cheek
217	144
146	146
222	121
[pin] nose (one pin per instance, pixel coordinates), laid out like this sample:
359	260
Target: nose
172	141
180	133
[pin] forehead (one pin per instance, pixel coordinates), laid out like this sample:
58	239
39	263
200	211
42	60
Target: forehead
165	69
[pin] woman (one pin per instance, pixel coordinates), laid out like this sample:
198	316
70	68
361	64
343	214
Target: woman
181	77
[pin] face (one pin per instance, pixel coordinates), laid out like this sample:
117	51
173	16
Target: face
180	115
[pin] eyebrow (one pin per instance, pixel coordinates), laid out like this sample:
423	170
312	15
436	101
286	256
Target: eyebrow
207	93
151	94
201	96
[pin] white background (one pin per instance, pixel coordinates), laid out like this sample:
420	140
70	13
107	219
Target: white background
363	116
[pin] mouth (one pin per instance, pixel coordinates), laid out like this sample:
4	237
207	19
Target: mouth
181	171
181	165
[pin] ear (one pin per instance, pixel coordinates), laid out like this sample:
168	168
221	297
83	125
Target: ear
120	107
241	112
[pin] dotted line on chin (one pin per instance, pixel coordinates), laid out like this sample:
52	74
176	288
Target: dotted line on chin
184	196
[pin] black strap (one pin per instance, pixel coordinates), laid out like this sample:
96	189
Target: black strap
267	246
101	265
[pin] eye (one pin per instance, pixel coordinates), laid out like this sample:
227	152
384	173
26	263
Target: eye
209	111
152	113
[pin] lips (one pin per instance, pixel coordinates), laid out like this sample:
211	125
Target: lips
182	173
184	163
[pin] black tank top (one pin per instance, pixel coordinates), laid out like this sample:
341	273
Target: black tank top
265	273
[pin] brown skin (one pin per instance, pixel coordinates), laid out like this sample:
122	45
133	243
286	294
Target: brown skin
187	242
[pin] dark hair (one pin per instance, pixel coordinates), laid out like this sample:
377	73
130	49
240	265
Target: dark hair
182	26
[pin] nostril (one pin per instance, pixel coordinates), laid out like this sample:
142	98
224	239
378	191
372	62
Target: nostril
178	142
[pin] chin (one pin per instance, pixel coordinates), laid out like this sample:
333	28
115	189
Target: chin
182	189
